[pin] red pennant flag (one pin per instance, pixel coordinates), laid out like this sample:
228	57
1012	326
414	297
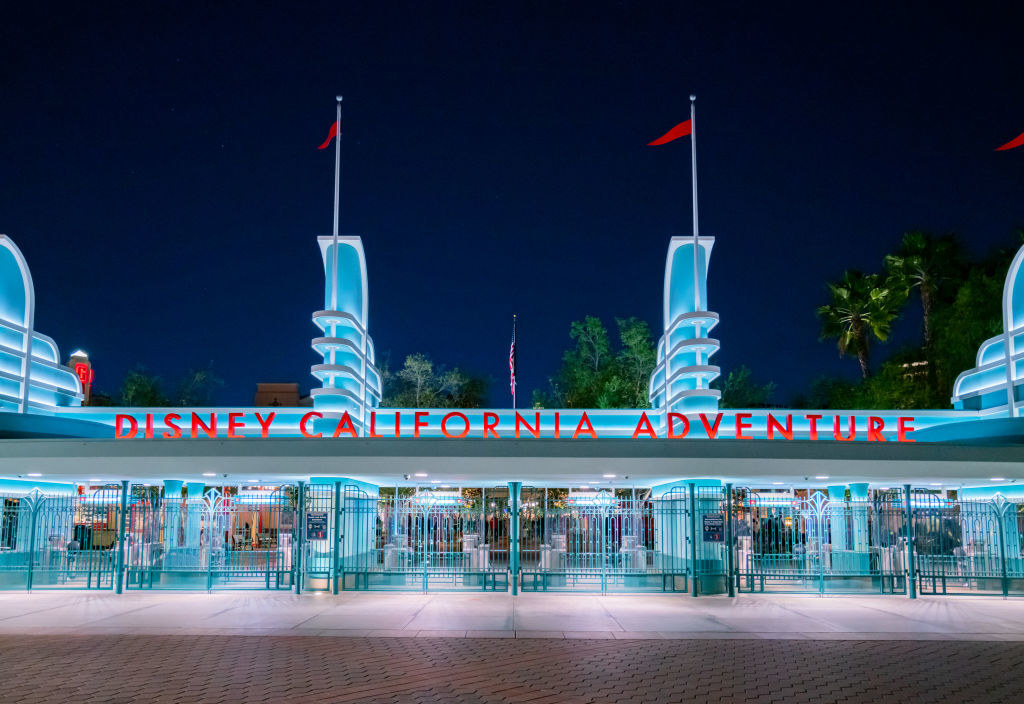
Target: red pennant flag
333	133
680	130
1012	144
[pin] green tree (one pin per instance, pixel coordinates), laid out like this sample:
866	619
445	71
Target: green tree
419	384
197	387
927	263
593	375
635	361
141	389
739	390
861	307
585	367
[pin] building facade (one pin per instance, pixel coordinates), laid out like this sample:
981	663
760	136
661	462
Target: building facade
679	497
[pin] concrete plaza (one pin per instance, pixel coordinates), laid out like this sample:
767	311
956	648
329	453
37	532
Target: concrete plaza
370	614
371	648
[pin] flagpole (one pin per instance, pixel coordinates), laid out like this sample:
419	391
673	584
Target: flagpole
337	196
696	231
515	360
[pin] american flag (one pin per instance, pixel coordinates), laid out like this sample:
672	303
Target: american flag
512	361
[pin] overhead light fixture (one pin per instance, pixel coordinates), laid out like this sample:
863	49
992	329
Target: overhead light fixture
777	483
95	480
435	481
420	474
608	476
34	474
997	479
252	480
822	476
209	474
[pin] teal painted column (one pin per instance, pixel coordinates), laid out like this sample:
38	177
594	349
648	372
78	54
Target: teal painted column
860	559
514	491
172	514
839	557
729	568
300	527
121	537
336	538
693	538
194	515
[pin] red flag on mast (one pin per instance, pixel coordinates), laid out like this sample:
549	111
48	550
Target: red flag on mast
680	130
331	135
1013	143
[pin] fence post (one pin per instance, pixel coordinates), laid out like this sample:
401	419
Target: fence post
513	544
728	538
693	537
121	538
300	524
32	542
337	533
911	577
1000	513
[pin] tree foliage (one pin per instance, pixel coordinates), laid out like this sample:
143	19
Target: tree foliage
860	310
140	388
739	390
594	375
961	302
143	389
419	384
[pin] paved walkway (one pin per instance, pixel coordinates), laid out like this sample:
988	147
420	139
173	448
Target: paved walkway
503	616
288	669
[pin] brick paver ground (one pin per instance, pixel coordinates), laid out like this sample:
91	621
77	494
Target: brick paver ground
137	668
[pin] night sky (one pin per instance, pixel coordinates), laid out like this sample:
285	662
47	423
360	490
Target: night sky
158	168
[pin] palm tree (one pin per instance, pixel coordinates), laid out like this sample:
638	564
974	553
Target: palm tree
861	307
925	261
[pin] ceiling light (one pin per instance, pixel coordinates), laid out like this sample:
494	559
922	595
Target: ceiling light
435	481
997	479
252	480
34	474
209	474
935	484
420	474
95	480
822	476
608	476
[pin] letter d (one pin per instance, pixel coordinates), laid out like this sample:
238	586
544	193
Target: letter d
133	427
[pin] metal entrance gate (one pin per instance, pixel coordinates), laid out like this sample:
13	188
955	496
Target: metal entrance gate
59	542
212	541
432	541
605	544
817	545
967	547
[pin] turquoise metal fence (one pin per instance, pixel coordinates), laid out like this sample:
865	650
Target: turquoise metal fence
431	541
59	541
241	540
599	543
814	544
967	546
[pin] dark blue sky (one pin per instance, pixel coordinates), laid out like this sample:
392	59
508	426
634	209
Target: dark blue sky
158	167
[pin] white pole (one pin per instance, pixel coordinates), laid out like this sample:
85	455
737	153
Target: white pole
514	361
337	195
696	230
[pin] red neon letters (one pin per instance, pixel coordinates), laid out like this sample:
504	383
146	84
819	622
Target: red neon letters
456	425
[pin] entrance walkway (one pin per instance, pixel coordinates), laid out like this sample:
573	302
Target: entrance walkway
360	614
